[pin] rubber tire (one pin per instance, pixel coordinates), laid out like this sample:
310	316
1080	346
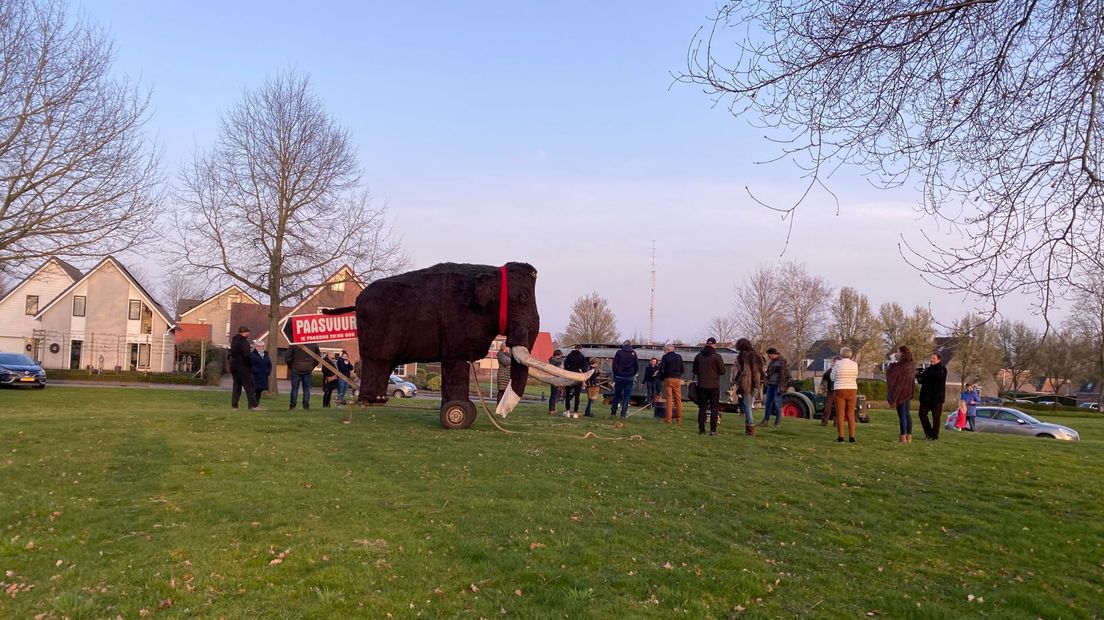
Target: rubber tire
398	394
1045	435
457	414
798	400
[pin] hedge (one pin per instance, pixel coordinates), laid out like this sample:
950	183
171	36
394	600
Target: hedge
128	376
433	384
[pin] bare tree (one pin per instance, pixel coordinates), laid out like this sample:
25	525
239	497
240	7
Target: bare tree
758	309
177	285
77	175
1061	359
1018	345
591	320
975	349
853	325
806	302
995	107
912	330
5	285
724	328
276	204
1086	323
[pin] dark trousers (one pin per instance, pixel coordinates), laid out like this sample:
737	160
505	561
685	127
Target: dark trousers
653	390
709	400
257	392
243	380
572	392
931	431
970	422
328	388
553	398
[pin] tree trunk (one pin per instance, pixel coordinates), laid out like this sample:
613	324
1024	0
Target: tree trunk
273	342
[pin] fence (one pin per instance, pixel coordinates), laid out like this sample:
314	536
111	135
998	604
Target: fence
103	352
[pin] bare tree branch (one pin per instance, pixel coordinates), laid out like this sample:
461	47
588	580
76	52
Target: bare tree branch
77	176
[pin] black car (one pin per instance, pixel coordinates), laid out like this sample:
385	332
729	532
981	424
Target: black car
18	369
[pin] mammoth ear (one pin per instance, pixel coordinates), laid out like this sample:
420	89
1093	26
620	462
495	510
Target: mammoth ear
486	290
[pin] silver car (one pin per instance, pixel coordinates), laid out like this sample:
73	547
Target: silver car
398	388
1015	422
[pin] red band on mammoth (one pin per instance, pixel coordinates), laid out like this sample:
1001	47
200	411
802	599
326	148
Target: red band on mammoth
503	294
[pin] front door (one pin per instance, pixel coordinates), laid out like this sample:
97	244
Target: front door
75	354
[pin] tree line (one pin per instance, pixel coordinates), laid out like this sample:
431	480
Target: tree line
787	307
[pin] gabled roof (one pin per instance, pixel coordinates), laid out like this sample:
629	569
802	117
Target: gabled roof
318	289
184	308
126	274
71	271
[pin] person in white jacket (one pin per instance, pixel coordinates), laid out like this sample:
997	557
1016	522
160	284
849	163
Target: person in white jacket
845	382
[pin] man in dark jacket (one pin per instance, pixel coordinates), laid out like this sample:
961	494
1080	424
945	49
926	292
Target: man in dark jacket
708	368
651	380
778	379
575	362
241	369
933	391
300	368
670	370
329	380
624	369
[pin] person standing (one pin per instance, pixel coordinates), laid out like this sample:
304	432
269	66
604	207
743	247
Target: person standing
747	375
651	380
829	394
594	387
300	365
345	367
972	399
624	368
329	380
900	384
261	367
845	380
670	370
575	362
241	369
502	376
708	367
933	391
778	379
556	360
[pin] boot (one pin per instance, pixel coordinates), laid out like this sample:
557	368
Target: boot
749	430
908	438
903	438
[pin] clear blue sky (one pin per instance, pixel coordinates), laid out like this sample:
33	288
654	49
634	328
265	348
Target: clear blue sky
528	131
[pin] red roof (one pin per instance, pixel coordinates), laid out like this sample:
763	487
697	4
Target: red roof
542	348
192	331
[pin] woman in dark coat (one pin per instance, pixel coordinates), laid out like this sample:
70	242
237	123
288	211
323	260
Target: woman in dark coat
900	384
262	366
747	377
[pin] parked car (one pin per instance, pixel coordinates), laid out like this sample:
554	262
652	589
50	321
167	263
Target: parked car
1015	422
399	388
1093	406
18	369
1046	403
990	400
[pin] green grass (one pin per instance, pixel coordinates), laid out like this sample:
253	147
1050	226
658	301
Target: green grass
115	501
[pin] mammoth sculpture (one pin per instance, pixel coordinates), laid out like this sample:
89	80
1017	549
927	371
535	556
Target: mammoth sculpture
450	313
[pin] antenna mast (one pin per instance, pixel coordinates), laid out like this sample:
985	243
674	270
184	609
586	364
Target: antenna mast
651	306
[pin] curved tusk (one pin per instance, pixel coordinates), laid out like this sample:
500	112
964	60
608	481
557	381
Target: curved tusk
510	399
543	377
522	355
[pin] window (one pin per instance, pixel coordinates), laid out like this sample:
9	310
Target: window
135	312
398	370
32	304
338	287
79	302
143	356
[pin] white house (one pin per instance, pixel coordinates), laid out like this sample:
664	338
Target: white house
105	320
19	307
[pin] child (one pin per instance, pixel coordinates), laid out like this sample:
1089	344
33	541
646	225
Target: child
593	387
960	419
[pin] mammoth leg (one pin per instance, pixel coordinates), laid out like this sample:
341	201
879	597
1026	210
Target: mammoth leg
454	380
373	381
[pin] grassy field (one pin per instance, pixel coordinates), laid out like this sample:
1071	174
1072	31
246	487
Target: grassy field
135	502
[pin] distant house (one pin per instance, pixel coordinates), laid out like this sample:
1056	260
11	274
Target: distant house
338	290
106	320
19	307
215	312
1089	392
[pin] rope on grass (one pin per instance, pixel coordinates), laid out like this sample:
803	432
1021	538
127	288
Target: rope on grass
490	414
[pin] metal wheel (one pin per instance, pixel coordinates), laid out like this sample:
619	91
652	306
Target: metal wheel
457	414
796	405
397	394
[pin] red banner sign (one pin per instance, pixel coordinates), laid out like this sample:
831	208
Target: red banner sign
304	328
